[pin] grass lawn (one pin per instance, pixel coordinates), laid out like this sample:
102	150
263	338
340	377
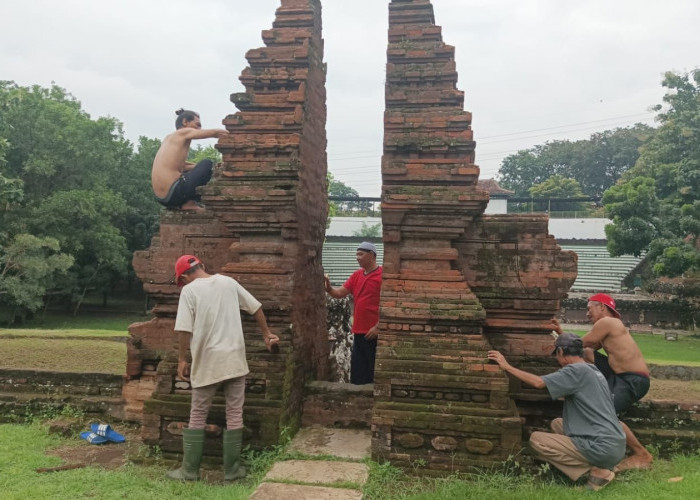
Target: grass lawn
24	449
63	355
96	322
657	350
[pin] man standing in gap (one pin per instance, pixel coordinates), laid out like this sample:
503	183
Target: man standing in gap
365	286
589	437
209	323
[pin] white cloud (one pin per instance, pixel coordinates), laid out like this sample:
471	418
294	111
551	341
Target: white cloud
526	67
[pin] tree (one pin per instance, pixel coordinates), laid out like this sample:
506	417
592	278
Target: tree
199	153
75	179
339	189
29	266
595	163
368	230
142	216
557	187
656	205
83	222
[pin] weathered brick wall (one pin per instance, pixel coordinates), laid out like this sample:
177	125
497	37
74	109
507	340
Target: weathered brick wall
267	209
455	282
436	397
32	392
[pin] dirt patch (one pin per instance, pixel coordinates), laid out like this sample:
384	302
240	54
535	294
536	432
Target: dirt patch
674	390
108	455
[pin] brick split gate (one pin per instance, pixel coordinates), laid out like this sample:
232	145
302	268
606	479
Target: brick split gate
456	282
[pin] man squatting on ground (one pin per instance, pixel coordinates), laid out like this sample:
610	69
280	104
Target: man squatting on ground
174	179
624	367
589	437
209	323
364	285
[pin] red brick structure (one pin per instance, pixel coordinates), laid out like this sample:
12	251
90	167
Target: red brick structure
455	281
264	225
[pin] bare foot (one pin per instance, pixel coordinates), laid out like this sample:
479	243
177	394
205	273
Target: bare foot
599	478
635	462
192	205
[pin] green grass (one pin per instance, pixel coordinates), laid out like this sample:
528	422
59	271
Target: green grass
657	350
62	333
85	321
23	451
386	483
76	356
24	448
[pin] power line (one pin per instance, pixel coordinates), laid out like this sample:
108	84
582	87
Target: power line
342	157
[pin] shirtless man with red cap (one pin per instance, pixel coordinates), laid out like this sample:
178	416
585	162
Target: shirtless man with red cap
624	367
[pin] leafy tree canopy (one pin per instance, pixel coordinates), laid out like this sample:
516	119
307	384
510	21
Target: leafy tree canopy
73	180
596	163
655	206
557	187
369	231
29	267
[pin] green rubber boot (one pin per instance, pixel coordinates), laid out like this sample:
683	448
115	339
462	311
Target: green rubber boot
233	441
192	448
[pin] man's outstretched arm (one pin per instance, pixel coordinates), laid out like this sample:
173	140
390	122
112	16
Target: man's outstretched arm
209	133
335	292
527	377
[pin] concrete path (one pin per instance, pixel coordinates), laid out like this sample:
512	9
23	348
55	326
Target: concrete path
328	479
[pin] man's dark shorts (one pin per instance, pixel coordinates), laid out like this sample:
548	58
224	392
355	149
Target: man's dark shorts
184	189
626	388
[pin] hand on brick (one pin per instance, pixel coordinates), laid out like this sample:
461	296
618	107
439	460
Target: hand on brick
498	358
556	327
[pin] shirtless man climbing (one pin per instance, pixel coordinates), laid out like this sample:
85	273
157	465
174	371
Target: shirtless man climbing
174	179
624	367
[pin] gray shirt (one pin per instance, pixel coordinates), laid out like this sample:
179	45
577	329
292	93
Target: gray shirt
589	415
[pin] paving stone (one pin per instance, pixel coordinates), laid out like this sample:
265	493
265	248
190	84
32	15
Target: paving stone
278	491
353	444
320	472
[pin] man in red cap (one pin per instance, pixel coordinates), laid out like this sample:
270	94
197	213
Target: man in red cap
623	367
209	323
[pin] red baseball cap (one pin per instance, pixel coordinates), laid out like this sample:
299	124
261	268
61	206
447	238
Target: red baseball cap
606	300
183	264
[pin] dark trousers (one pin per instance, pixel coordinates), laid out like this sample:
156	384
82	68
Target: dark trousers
184	189
364	353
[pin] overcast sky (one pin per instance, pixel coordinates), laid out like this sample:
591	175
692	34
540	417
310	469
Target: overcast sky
533	71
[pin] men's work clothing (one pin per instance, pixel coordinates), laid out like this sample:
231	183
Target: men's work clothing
185	187
209	308
589	415
626	388
202	397
558	449
365	290
362	360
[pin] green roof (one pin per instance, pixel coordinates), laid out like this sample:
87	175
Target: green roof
339	259
597	270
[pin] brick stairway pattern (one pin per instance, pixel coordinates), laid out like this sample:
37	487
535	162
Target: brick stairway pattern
264	225
437	399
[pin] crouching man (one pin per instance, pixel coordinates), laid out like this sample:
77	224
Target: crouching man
589	437
209	323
